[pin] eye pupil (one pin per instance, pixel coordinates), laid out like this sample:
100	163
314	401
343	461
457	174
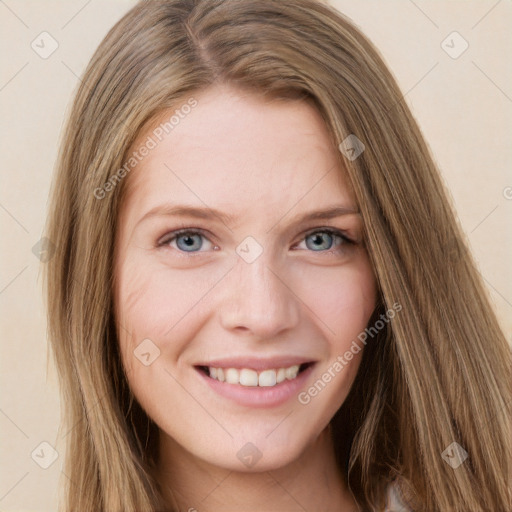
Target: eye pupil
188	241
319	240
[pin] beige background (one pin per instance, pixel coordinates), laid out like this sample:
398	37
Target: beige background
463	105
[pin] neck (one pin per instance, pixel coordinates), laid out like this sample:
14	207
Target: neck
311	482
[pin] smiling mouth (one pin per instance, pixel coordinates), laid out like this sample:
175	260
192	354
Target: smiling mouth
252	378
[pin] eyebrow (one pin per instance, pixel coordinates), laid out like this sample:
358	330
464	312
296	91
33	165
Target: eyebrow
177	210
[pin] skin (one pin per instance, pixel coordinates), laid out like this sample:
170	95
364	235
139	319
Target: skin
264	163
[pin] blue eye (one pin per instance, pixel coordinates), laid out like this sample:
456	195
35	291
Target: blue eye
319	240
187	240
323	240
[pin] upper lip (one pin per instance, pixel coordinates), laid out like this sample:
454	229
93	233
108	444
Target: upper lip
257	364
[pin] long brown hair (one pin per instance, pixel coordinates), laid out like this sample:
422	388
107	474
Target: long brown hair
437	374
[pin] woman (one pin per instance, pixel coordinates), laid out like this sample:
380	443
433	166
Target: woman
261	298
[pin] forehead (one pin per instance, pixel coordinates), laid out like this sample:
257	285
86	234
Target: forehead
240	152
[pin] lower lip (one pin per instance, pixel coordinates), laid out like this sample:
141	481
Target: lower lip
256	396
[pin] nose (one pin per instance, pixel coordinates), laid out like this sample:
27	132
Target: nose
259	300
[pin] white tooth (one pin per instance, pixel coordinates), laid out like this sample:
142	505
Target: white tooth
267	378
248	377
281	375
292	372
232	376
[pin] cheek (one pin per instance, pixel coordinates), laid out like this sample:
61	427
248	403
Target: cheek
149	303
343	302
144	313
154	302
342	299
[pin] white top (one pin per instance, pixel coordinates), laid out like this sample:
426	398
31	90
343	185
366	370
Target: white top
393	503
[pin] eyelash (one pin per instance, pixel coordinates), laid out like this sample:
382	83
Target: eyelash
173	235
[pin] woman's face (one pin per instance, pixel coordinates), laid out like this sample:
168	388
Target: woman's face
241	280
